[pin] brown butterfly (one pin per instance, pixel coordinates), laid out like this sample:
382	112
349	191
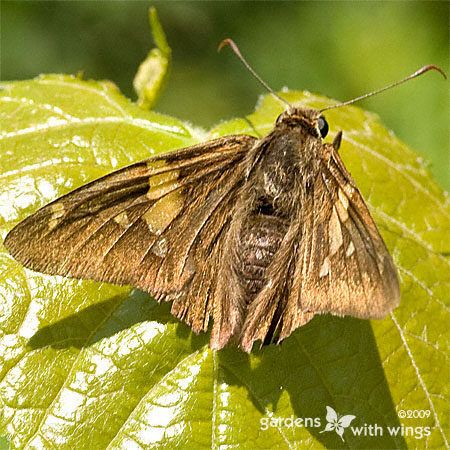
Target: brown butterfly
257	234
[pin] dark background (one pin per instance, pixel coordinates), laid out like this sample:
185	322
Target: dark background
338	49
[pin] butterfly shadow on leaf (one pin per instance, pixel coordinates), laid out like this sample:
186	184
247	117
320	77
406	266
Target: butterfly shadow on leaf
329	362
107	318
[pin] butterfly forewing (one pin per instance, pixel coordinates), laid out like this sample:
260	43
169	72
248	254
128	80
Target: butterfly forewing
347	268
332	259
127	226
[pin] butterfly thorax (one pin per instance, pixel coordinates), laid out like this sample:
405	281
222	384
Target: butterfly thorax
287	164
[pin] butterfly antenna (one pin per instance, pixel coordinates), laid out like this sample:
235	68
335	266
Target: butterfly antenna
416	74
238	53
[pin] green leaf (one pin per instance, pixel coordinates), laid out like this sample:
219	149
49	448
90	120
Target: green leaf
4	443
89	365
154	70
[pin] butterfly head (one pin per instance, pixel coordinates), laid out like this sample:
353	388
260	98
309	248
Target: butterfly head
309	119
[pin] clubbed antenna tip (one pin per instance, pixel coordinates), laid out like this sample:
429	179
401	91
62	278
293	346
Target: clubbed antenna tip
229	42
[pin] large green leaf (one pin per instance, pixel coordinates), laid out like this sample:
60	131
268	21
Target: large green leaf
89	365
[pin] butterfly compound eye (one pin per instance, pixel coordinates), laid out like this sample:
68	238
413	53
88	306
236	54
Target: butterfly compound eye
323	126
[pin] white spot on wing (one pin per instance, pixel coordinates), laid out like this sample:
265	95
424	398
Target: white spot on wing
160	248
342	205
334	233
325	269
350	250
122	220
343	198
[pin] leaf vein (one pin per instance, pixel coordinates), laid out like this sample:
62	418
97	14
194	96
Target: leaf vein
420	379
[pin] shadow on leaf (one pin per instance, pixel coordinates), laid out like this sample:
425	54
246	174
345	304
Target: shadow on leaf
329	362
101	320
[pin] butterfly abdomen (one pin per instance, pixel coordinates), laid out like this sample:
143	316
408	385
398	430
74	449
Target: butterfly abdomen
260	237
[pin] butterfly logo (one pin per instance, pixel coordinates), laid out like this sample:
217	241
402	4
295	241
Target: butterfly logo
336	422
